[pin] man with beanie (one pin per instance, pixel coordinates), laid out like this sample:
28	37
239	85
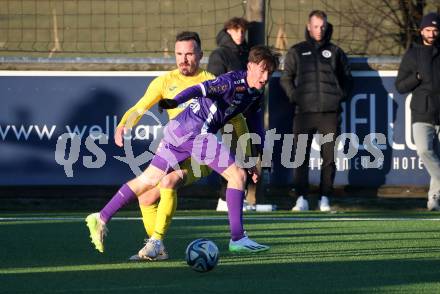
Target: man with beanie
419	73
316	80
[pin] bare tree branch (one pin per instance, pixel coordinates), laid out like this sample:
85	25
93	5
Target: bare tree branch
392	27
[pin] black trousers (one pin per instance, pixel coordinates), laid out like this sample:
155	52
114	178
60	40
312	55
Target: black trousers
307	125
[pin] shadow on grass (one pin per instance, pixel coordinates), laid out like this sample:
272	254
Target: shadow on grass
58	258
292	277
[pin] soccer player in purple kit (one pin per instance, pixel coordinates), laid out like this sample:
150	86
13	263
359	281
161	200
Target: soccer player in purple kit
192	134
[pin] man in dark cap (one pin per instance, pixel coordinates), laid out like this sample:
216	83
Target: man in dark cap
419	73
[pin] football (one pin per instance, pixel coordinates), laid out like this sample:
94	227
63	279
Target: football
202	255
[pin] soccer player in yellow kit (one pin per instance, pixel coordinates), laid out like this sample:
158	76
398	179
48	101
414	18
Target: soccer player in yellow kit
157	216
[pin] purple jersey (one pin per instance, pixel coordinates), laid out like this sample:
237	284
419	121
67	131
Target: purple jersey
217	101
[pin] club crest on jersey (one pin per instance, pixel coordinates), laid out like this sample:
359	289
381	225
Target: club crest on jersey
326	53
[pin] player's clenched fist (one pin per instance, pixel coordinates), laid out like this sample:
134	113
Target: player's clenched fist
255	175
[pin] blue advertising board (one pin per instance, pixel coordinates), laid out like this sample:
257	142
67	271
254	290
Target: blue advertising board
39	108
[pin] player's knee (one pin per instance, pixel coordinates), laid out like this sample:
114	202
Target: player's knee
242	175
143	183
149	198
171	181
238	176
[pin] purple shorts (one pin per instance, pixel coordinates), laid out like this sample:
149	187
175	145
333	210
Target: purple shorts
178	145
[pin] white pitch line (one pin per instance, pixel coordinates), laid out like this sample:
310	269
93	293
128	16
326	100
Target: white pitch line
53	73
263	218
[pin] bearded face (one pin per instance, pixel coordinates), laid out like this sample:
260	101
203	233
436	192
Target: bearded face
429	35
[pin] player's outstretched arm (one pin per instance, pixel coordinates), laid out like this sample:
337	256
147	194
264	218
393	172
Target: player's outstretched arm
188	93
166	103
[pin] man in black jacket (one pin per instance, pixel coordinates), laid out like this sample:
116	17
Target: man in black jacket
419	73
316	79
232	52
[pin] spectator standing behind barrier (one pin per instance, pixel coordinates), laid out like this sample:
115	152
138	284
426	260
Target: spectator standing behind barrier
419	73
316	79
233	51
232	54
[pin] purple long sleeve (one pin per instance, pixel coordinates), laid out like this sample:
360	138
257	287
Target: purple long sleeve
217	101
188	93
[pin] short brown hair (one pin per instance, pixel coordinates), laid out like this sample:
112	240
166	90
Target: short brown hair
319	14
263	53
235	23
189	36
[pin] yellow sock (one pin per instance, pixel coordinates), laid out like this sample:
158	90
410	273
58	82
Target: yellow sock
165	211
149	215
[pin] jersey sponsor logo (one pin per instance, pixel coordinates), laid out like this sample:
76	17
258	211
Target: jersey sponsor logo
240	89
219	88
327	53
307	53
238	82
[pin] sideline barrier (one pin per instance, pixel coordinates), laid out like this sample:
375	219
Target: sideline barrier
39	106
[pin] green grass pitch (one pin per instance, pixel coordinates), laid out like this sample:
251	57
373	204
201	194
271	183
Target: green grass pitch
351	252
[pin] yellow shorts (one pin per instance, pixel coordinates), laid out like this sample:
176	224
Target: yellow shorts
195	170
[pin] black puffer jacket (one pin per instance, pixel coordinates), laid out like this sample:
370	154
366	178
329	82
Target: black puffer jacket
316	75
425	101
228	56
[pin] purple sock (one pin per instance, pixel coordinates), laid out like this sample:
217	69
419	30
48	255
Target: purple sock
123	197
234	200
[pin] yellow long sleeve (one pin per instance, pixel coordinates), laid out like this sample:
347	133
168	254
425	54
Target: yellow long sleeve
165	86
150	98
